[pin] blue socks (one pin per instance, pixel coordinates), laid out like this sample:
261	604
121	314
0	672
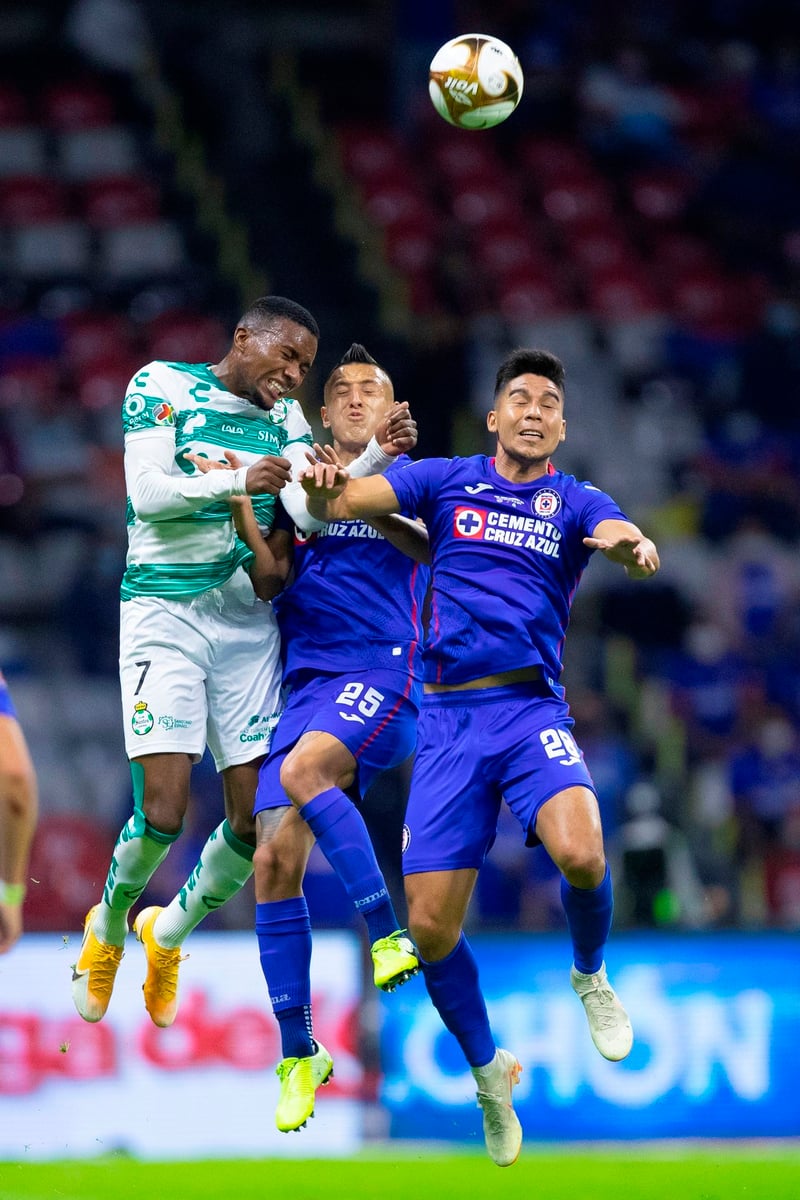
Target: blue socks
453	987
588	912
284	942
343	838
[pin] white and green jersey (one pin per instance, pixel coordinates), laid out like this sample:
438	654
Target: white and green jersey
181	538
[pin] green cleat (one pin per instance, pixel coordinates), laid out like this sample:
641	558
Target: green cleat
394	960
300	1078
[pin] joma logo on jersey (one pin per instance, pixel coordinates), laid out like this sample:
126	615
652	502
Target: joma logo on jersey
468	522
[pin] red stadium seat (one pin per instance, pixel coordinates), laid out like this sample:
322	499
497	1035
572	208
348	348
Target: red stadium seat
26	199
101	383
185	337
76	105
93	336
120	200
579	203
661	196
623	294
369	155
13	106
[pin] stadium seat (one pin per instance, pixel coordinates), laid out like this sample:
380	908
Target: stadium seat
476	203
76	104
578	203
27	381
622	294
661	196
92	336
152	249
120	200
50	250
371	154
26	199
185	337
529	298
396	204
23	151
548	162
93	153
13	106
101	382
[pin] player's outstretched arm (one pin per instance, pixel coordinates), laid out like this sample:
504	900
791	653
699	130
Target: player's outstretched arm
332	495
19	805
622	542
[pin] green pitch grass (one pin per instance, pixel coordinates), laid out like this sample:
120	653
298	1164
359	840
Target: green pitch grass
724	1172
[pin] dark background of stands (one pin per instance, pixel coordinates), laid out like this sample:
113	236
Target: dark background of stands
162	165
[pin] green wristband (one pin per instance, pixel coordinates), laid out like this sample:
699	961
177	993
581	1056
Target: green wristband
12	893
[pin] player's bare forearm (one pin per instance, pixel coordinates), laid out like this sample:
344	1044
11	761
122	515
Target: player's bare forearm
331	495
410	537
623	543
272	560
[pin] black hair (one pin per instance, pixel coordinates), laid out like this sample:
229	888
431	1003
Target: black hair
356	354
529	362
263	313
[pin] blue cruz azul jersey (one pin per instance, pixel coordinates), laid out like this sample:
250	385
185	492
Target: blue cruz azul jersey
507	559
355	602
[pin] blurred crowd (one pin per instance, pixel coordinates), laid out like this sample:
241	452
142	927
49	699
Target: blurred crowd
672	259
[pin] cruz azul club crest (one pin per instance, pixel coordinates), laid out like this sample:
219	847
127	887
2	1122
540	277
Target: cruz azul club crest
546	503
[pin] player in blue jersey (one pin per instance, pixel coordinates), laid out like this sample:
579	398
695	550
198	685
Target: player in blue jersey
199	653
351	624
509	543
18	811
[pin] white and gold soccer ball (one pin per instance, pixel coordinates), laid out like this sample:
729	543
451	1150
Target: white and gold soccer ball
475	81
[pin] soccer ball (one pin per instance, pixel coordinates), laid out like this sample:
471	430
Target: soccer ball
475	81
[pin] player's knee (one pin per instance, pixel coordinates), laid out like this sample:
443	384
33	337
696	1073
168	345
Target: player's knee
433	935
296	779
276	874
582	866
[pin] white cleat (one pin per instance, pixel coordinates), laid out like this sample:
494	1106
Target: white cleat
501	1127
609	1024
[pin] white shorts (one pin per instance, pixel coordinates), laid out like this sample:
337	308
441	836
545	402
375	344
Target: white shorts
205	671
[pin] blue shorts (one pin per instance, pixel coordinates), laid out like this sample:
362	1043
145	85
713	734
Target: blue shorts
474	750
363	709
6	703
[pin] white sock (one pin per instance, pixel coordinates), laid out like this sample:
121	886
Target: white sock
136	856
223	868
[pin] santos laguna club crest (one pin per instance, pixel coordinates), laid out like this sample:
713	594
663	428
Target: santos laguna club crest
546	503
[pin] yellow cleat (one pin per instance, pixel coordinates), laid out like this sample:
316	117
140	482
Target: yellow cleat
94	973
394	960
161	984
300	1078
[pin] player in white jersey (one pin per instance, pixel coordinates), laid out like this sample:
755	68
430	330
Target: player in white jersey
199	653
